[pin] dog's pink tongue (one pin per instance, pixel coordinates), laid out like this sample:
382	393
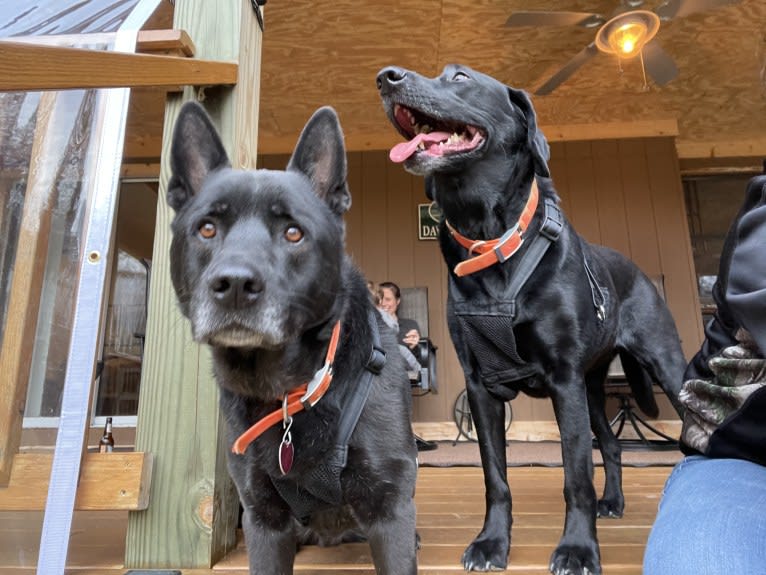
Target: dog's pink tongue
401	152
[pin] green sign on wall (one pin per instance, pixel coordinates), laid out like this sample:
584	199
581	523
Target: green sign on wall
429	217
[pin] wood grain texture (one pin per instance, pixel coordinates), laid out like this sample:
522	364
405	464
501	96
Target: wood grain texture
169	42
193	524
330	56
108	481
334	54
39	67
450	506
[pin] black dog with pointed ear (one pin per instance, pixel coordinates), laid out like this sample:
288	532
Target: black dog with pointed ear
258	264
532	307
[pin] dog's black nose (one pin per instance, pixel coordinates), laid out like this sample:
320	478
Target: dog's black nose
390	76
235	287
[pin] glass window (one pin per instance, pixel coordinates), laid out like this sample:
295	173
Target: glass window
120	366
712	202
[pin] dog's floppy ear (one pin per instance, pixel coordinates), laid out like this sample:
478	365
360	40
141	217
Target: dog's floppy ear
538	146
195	152
430	188
321	156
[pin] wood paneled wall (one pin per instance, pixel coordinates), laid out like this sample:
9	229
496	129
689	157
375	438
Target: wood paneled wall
626	194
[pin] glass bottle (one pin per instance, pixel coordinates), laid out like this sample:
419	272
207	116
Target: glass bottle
106	443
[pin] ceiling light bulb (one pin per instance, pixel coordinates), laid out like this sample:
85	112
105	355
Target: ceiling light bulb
627	33
628	39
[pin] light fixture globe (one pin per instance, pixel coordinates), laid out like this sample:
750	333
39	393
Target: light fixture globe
625	34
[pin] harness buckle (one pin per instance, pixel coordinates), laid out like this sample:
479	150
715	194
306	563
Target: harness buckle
376	361
553	222
501	257
308	400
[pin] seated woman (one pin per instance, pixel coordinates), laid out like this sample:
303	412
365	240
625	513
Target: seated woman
391	321
387	298
390	298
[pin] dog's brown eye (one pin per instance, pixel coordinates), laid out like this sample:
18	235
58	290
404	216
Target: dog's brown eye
208	230
293	234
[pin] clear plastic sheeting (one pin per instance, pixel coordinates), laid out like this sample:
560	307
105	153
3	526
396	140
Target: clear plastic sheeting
43	204
46	17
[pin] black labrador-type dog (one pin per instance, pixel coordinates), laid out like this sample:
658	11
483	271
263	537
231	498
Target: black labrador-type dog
532	307
259	268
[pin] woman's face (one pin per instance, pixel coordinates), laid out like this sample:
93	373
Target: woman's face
388	302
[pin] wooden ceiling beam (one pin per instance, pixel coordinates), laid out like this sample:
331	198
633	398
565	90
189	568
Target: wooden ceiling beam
29	67
739	148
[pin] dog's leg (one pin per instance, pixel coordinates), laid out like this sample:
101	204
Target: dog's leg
267	524
394	549
577	552
489	551
612	504
270	550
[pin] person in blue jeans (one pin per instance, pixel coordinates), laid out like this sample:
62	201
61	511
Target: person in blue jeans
712	515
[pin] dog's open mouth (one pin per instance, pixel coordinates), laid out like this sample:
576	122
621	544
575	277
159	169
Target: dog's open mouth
431	136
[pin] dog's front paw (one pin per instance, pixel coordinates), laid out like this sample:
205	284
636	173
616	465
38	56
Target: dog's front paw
575	560
486	555
611	509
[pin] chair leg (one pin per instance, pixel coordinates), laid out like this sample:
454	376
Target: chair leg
628	413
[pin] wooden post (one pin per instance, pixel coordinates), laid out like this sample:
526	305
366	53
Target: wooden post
192	515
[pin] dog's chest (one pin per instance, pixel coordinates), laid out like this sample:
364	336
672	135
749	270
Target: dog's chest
488	329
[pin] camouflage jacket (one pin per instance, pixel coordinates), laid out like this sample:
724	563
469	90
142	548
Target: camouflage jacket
717	408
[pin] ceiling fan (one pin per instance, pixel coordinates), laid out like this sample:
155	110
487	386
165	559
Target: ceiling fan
627	33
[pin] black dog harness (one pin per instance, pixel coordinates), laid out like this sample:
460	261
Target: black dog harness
321	488
488	327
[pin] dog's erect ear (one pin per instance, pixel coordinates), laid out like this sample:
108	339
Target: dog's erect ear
321	156
538	146
195	152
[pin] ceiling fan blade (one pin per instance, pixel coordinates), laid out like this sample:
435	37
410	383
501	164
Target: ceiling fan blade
540	18
658	63
679	8
569	68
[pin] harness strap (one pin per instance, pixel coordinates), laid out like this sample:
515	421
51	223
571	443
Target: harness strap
320	486
599	301
353	408
549	233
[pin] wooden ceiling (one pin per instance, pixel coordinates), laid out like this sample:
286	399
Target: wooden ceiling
318	53
329	53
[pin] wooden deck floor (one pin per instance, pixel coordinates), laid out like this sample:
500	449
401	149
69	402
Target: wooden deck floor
450	504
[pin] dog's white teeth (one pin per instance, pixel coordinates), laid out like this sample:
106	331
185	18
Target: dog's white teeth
421	146
454	138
